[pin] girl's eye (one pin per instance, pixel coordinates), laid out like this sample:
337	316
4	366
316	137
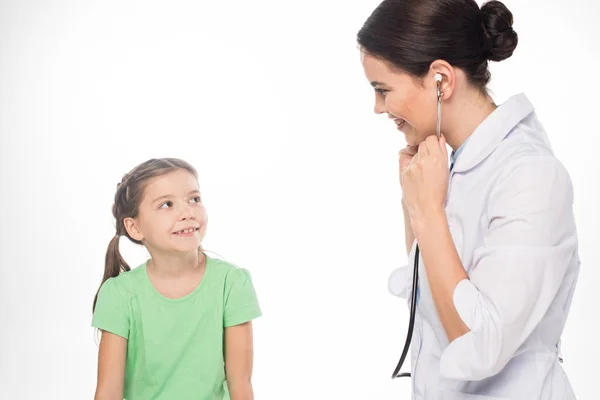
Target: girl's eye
196	199
166	204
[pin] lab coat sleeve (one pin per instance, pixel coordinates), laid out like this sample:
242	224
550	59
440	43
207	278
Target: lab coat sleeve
518	269
399	282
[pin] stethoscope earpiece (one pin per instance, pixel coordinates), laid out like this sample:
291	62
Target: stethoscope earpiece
438	79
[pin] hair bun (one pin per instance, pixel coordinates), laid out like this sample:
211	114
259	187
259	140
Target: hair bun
497	26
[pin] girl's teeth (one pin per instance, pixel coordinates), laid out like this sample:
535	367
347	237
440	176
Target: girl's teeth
187	231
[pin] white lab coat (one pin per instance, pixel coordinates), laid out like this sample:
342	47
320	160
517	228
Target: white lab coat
510	212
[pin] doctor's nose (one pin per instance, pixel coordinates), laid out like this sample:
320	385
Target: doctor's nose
379	107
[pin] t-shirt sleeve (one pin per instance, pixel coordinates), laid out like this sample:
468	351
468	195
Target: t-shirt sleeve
111	313
241	302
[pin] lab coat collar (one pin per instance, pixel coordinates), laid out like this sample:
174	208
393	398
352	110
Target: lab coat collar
492	131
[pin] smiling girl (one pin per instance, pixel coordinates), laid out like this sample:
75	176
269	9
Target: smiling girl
179	325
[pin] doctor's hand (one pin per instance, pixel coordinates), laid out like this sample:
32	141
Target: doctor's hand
425	180
405	157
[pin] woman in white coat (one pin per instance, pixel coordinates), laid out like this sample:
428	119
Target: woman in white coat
498	244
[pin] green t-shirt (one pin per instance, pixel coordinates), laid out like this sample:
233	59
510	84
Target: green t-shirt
175	347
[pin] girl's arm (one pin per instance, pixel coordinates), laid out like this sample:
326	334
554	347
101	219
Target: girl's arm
111	367
239	360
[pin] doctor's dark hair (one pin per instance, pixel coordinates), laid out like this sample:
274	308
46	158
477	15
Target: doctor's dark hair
129	195
411	34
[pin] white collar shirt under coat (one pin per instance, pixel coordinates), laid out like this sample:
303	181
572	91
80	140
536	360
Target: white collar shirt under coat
510	212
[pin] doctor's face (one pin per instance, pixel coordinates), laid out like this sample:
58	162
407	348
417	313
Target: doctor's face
410	103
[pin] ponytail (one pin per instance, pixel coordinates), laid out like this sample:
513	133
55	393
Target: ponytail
113	266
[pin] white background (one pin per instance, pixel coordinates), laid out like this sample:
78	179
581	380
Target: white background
268	100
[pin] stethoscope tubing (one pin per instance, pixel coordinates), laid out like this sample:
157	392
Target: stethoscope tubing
415	282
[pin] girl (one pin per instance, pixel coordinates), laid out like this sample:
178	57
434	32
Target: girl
178	326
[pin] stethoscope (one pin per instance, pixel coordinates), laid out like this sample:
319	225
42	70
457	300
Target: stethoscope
415	281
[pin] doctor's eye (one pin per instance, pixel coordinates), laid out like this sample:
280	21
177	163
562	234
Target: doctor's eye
382	92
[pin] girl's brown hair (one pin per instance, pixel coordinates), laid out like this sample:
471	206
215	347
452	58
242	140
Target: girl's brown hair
126	205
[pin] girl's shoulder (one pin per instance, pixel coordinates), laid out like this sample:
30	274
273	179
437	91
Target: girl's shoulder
226	271
219	266
128	282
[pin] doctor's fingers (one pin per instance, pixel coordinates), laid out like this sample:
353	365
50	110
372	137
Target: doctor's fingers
405	156
412	172
423	150
414	166
432	143
408	151
404	163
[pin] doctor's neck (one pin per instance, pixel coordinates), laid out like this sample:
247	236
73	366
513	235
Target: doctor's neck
463	112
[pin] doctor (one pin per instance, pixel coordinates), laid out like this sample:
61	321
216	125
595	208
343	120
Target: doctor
498	244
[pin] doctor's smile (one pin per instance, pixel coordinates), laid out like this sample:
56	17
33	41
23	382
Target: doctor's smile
399	123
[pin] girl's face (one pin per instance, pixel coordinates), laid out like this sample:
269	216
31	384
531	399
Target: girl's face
171	218
410	103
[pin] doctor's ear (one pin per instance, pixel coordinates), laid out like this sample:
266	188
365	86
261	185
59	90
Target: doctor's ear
443	74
